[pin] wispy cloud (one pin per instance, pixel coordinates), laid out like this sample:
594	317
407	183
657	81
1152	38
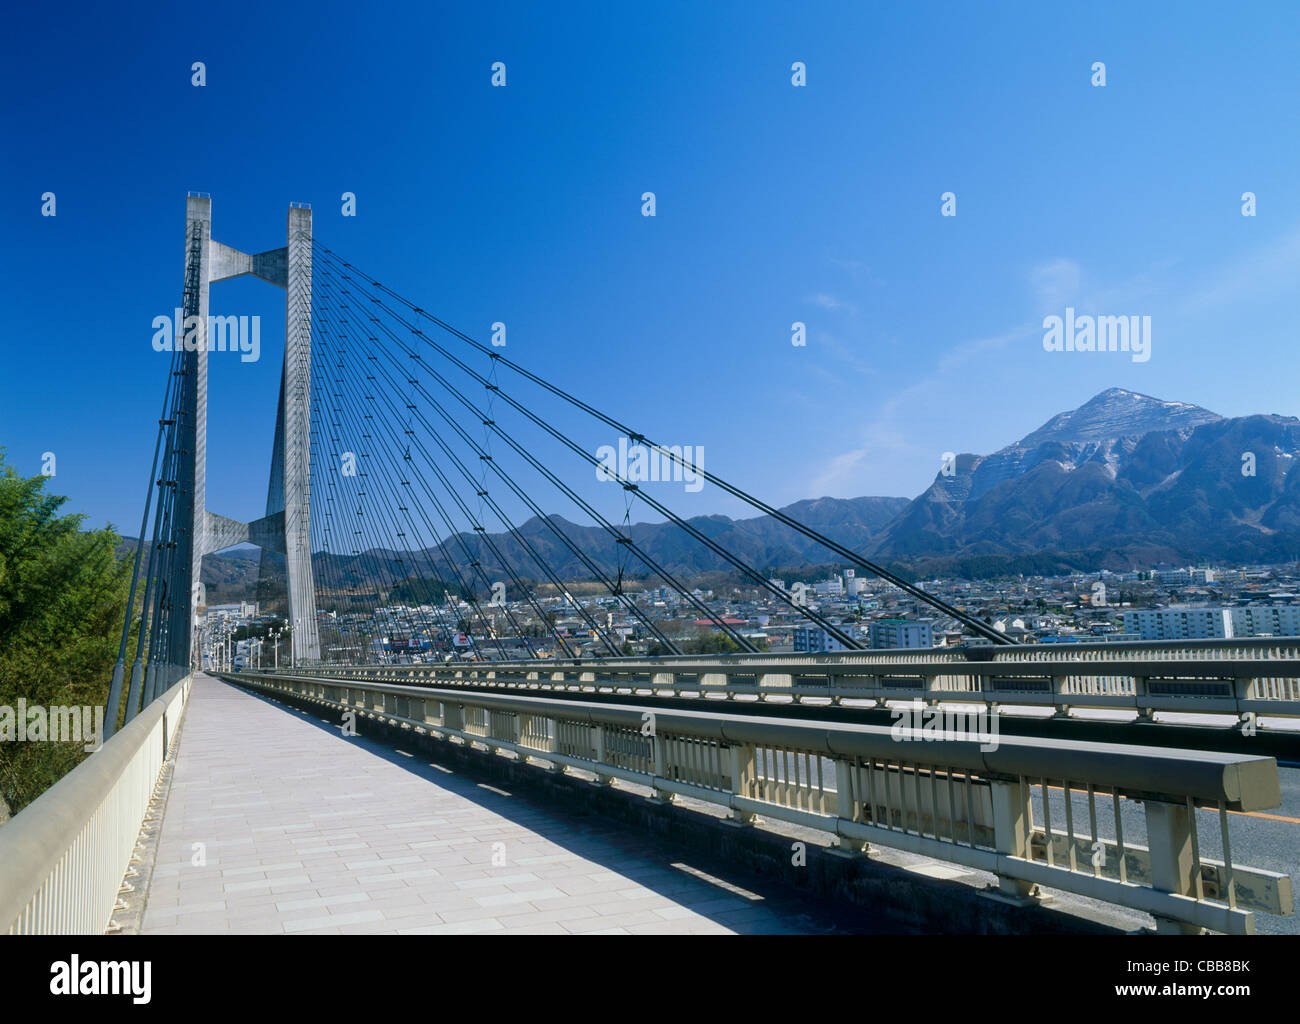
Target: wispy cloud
856	269
964	352
1270	269
844	472
827	301
843	353
1056	283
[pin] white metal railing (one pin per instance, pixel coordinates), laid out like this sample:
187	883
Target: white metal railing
63	857
1139	827
1258	676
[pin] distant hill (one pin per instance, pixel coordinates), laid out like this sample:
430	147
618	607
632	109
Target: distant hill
760	542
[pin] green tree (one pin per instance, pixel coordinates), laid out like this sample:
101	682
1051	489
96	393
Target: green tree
710	643
425	590
62	596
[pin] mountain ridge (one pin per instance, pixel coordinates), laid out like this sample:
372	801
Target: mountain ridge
1122	479
1123	469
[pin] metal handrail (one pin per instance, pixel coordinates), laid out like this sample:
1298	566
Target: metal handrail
1142	678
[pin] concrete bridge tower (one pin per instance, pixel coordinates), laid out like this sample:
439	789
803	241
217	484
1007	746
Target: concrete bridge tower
286	527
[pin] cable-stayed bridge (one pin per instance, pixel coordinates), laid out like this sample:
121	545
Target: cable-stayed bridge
400	445
405	456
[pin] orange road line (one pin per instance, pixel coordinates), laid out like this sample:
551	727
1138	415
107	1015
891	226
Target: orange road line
1271	817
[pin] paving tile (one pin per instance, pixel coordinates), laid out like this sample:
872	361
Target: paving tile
515	898
322	901
459	928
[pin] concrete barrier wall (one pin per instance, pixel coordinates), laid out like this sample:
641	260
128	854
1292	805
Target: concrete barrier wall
63	858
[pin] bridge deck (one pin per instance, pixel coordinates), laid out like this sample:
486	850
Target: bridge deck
306	831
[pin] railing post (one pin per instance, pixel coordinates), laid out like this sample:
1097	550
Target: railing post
1169	835
848	806
1012	825
743	773
1140	692
599	737
1059	684
553	735
660	770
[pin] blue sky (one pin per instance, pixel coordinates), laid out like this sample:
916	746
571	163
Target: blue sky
775	204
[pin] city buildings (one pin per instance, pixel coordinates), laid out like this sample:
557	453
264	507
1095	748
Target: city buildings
1265	620
1184	623
889	634
814	640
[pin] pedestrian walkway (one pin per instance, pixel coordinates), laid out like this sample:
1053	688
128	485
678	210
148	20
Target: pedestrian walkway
277	823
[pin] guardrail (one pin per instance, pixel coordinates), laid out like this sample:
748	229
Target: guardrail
1259	677
949	799
63	857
